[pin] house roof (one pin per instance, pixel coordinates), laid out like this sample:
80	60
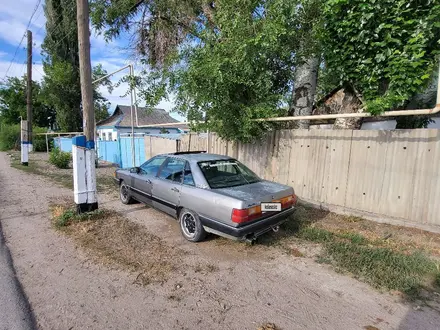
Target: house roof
121	117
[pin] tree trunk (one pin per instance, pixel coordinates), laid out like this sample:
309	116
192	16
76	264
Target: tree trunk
306	76
343	100
349	103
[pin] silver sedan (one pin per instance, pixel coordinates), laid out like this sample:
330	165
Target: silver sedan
208	193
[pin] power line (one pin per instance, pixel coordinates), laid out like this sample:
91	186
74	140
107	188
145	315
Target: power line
22	38
69	10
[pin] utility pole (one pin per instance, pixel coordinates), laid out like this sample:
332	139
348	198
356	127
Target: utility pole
29	87
83	147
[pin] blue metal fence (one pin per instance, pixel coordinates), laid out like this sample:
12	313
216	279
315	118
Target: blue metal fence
117	152
109	151
63	143
126	151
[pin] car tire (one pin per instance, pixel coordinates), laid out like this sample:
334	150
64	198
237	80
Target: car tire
190	226
124	194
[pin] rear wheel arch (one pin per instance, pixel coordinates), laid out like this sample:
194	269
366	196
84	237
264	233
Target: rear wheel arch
190	225
178	210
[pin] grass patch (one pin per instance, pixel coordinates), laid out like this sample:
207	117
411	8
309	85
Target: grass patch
113	239
381	267
384	256
315	234
63	177
63	217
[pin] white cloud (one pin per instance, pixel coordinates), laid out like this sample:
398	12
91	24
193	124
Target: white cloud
14	18
12	31
19	69
22	10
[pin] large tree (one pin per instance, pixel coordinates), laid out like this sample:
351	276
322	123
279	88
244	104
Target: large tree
61	66
222	60
13	103
232	61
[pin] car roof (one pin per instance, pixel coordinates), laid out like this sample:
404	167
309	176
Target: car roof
198	157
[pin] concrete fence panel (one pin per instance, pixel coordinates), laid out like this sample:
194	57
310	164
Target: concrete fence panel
388	176
158	145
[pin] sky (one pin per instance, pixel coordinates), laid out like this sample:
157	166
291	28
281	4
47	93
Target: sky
14	18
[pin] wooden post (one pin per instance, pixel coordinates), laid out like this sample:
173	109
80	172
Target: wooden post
85	69
29	88
83	147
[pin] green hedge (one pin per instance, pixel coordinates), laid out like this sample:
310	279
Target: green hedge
10	138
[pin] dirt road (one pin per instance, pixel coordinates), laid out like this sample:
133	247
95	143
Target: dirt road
68	290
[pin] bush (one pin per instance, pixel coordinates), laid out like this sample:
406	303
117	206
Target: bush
9	137
39	141
59	158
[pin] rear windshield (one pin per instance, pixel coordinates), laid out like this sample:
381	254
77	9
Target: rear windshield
227	173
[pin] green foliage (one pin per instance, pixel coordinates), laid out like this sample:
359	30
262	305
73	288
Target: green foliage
386	49
9	137
226	63
233	71
13	103
39	141
59	158
61	66
413	122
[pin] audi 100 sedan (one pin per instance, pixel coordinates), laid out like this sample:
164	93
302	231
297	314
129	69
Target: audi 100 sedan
208	193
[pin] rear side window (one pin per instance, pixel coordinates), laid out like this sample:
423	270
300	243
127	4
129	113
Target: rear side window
173	170
188	177
152	166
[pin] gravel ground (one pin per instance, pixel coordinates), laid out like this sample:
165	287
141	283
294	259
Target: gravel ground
250	286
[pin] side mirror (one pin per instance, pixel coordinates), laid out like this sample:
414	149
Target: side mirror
135	170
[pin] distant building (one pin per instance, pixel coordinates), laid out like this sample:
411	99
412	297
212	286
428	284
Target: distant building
119	122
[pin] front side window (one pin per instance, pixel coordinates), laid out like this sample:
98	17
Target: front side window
173	170
152	166
227	173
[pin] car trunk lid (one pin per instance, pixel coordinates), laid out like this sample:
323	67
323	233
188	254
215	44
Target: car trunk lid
256	193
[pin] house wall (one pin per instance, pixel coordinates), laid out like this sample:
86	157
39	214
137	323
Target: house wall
107	134
103	132
388	176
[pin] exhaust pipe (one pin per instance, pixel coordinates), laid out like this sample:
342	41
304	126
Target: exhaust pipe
275	229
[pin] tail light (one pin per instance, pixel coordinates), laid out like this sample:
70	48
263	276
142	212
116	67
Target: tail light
289	201
244	215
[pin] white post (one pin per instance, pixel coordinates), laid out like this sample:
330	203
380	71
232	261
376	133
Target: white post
84	174
24	143
133	152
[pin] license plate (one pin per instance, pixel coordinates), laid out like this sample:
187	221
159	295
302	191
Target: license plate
270	207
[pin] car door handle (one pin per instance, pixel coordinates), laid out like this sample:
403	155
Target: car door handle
175	189
148	181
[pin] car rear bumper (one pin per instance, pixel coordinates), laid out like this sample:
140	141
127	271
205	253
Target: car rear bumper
250	231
